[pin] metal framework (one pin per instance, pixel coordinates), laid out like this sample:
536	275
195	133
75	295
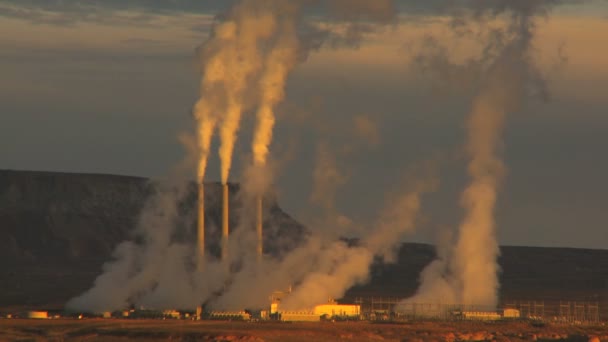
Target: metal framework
390	308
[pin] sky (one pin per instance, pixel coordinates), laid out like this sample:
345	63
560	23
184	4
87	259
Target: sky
108	86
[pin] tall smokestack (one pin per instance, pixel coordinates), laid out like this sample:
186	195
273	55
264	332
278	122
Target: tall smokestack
225	223
201	226
258	225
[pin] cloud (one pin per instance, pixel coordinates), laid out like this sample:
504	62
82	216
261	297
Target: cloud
112	13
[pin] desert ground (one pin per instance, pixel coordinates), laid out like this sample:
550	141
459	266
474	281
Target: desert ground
183	330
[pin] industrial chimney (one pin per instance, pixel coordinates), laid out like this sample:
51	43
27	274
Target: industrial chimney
258	226
201	225
225	223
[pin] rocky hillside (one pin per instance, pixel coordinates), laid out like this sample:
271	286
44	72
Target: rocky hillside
59	217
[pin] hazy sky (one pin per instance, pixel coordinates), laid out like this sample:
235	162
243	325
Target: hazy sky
107	86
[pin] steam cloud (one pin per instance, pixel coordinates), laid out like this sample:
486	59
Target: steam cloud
467	273
144	272
323	268
340	266
279	62
245	65
230	58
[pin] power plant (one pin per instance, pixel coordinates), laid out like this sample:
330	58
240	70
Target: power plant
255	47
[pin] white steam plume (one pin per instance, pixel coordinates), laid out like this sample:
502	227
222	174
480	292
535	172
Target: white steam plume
325	267
467	273
328	265
254	45
231	59
249	27
340	267
145	272
206	127
279	61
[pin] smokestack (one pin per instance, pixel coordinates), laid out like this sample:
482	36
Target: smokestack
225	223
260	247
201	226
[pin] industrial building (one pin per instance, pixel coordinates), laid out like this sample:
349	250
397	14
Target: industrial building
298	316
328	311
38	314
479	315
511	313
228	315
334	310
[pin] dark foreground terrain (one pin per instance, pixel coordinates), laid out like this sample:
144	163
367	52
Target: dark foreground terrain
97	330
57	230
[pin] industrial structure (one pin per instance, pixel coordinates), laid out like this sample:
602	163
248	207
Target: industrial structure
226	225
478	315
328	311
569	313
335	310
201	226
38	314
227	315
225	222
258	229
376	309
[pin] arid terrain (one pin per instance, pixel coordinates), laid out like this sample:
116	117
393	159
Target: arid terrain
178	330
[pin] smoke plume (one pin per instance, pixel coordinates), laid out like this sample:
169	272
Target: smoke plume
340	266
322	268
245	63
144	271
467	272
256	45
231	58
206	126
281	58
